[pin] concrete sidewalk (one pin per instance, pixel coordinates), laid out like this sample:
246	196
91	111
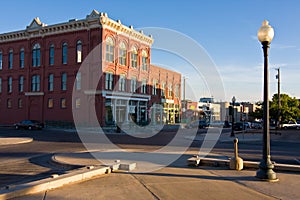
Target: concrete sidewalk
178	183
14	140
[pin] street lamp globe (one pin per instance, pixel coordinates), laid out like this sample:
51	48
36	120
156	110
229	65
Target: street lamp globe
265	33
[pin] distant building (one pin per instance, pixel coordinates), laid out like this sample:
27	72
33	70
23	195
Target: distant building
39	70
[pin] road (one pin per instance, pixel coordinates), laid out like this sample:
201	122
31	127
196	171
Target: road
30	161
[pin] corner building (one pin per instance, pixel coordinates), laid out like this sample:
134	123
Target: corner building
39	72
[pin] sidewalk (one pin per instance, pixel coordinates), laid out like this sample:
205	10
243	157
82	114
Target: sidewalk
178	183
14	140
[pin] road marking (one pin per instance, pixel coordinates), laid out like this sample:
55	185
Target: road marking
297	160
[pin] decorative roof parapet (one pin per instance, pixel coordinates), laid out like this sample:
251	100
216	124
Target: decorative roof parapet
93	20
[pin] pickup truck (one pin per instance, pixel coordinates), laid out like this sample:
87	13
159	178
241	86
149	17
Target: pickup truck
290	125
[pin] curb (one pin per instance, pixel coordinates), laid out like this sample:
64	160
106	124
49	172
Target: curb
14	140
213	162
55	181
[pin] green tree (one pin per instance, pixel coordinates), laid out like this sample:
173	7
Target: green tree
289	108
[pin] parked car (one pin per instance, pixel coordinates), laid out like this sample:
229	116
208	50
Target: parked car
29	124
256	125
290	125
238	126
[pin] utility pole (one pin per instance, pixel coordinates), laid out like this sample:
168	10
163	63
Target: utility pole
278	93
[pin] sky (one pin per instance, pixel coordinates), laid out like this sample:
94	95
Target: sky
225	30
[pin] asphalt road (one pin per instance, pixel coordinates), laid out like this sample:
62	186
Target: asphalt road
21	162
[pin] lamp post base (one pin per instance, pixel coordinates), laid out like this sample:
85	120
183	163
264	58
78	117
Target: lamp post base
266	173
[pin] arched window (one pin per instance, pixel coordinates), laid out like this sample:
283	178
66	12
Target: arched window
154	87
20	103
144	86
134	57
144	60
78	51
36	55
64	53
110	49
122	54
22	57
51	54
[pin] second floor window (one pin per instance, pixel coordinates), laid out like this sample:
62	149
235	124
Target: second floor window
35	83
78	51
64	53
110	49
122	83
109	81
50	82
21	83
22	56
133	84
163	88
36	55
144	86
51	54
122	54
9	85
170	90
78	81
64	81
10	59
154	89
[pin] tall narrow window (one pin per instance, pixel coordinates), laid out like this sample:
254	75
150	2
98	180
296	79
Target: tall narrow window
0	85
170	90
36	55
10	59
20	103
9	103
144	86
122	54
9	85
110	49
50	103
77	103
64	53
64	81
163	89
79	51
21	83
133	84
134	56
35	83
144	60
1	60
50	82
177	91
22	57
109	81
122	83
78	81
51	54
154	89
63	103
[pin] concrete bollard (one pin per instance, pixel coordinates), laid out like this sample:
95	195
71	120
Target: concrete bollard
236	162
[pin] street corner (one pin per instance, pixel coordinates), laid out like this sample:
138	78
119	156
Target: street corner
14	140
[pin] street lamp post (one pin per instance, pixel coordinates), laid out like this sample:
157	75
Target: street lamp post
232	117
265	35
278	114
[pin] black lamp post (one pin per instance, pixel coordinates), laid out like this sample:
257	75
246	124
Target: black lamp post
265	172
232	117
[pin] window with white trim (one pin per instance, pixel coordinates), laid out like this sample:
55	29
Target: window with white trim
109	81
36	55
122	54
110	49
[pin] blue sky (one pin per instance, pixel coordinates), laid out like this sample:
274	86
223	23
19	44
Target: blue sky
225	29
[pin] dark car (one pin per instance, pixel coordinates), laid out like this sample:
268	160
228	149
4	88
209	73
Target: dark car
239	126
29	124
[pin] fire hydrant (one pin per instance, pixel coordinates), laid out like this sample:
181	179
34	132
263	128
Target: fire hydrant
236	162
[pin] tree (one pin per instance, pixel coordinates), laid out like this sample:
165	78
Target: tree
289	108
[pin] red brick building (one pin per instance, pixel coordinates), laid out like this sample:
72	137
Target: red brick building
39	70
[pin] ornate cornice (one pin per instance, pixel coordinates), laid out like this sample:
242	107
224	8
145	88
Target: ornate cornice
93	20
